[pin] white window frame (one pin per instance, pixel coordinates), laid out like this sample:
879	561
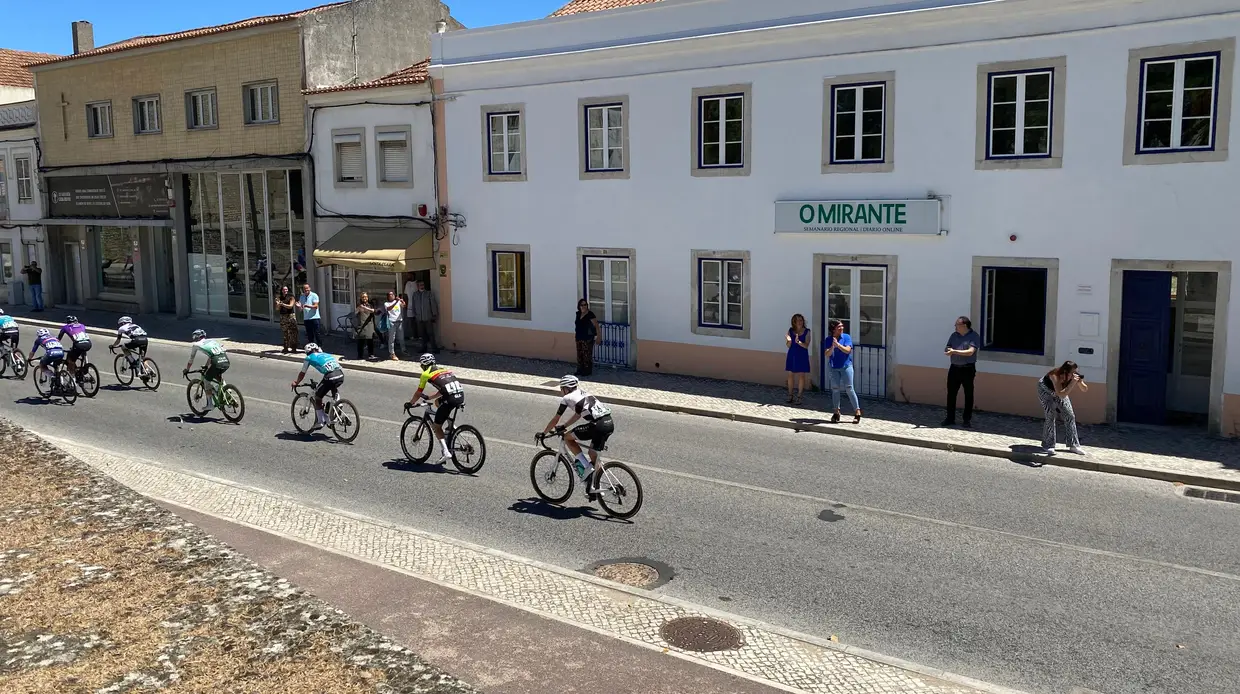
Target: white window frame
1134	153
723	267
607	114
501	117
342	138
521	277
722	101
734	321
146	108
983	301
701	96
341	283
99	120
831	88
25	179
1022	105
859	111
1178	93
389	134
268	93
202	109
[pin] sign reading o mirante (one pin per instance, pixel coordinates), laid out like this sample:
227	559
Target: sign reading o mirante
911	217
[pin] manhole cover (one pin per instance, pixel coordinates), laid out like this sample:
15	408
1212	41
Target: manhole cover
1212	494
701	635
637	575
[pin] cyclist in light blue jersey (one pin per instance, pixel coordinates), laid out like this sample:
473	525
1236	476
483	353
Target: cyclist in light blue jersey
333	378
10	331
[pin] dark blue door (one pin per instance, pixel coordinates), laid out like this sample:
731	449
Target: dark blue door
1144	344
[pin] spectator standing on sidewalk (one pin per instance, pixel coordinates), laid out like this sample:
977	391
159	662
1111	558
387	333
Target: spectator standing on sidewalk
837	348
286	304
34	277
423	313
587	334
309	305
395	309
365	328
797	361
962	346
1053	392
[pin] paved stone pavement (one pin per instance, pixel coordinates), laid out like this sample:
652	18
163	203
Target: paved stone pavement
1177	455
794	662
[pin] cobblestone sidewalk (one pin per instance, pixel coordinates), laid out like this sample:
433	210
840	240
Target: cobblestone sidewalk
794	662
1176	455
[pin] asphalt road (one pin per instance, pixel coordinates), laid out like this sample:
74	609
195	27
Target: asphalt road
1041	579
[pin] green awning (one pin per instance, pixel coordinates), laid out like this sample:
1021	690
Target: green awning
378	250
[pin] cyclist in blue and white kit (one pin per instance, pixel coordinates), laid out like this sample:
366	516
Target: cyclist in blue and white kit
333	378
53	351
79	341
10	331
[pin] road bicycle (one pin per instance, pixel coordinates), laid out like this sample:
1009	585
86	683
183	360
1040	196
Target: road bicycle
417	439
550	467
227	397
10	356
128	365
342	416
86	376
59	384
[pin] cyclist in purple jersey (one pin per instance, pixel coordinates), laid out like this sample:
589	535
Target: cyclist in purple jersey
79	341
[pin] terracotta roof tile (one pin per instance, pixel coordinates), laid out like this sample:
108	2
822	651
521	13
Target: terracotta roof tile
579	6
144	41
13	72
414	74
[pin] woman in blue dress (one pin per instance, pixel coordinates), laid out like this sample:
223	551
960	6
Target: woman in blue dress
797	363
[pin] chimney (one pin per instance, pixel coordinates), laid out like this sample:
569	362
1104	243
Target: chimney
83	37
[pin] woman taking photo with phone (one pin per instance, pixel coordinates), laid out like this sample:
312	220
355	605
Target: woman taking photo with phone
1053	392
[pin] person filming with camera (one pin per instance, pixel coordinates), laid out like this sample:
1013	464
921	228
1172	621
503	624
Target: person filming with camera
1053	391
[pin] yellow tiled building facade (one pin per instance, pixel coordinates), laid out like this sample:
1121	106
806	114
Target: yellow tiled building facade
226	65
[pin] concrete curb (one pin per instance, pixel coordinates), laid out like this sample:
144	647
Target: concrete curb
1073	462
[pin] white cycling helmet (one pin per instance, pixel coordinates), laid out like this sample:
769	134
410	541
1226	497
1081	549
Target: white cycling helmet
124	320
1	312
427	360
570	382
311	348
42	332
198	335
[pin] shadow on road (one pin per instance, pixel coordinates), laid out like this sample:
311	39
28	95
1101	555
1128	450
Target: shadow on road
538	507
1029	456
195	419
39	400
314	436
403	465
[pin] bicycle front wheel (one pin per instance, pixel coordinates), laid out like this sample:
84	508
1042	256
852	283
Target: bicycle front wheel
346	423
68	389
20	367
548	473
152	377
232	404
4	363
196	396
620	492
44	382
88	380
469	450
120	367
303	413
416	440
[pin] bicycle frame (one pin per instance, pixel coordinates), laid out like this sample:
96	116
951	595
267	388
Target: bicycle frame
331	397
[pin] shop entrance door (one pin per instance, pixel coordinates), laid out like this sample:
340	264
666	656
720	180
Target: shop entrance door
72	273
857	295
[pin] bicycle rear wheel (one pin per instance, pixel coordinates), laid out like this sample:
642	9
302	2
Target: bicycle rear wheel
68	389
303	414
120	367
620	492
20	367
152	379
196	396
469	450
346	423
549	472
232	404
88	380
5	358
416	440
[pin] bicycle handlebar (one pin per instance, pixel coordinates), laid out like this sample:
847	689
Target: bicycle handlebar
541	437
310	384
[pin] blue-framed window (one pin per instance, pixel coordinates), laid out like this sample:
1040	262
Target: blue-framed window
604	137
1014	309
504	155
508	288
1020	114
858	123
721	131
721	293
1178	103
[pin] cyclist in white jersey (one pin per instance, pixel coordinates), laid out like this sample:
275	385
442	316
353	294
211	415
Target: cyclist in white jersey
597	428
132	335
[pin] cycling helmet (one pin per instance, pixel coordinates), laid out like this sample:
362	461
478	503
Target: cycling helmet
427	360
569	382
124	320
71	319
311	348
42	332
1	312
198	335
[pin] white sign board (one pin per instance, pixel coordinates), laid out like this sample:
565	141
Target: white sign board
913	217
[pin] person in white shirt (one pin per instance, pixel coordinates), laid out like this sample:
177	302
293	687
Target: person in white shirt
395	308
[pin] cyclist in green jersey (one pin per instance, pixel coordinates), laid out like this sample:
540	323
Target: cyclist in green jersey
217	362
449	396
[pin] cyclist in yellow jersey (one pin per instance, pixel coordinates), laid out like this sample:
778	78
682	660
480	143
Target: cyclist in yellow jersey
450	394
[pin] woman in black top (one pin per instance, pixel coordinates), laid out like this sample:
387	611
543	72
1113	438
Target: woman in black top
1053	392
587	335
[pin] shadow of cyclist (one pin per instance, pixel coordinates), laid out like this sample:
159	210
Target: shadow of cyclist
538	507
403	465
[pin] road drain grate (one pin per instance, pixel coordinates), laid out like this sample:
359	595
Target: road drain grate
701	635
1212	494
636	572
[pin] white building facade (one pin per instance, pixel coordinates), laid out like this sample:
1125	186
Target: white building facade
21	201
701	170
376	211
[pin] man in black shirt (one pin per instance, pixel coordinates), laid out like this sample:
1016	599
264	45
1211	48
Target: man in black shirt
34	277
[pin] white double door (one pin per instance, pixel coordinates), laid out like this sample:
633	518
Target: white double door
857	296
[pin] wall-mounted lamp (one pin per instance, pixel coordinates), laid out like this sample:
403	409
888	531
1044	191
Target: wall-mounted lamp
441	26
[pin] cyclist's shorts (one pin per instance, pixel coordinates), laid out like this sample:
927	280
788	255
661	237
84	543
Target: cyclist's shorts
214	372
596	432
53	357
330	383
10	335
79	349
138	344
446	408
